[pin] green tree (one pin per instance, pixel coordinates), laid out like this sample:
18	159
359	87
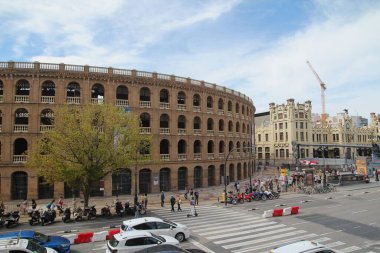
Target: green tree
87	143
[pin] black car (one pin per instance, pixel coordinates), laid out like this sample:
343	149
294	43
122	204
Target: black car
167	248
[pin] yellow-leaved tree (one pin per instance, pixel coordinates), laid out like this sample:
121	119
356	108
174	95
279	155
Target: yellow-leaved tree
87	143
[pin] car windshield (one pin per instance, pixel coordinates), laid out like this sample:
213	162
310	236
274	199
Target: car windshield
41	237
160	238
35	247
170	222
113	242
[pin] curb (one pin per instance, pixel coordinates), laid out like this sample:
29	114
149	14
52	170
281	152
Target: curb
86	237
281	212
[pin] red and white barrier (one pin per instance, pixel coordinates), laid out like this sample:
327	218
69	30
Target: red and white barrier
86	237
281	212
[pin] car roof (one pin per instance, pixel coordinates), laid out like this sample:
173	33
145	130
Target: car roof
136	221
13	243
298	247
132	234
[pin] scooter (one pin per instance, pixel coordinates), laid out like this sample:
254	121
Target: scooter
12	219
66	215
48	217
106	211
119	209
34	217
90	212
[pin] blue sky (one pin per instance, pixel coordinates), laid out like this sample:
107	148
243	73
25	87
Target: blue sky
258	47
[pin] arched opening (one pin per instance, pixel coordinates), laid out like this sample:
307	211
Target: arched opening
181	122
221	172
97	94
165	179
237	127
230	126
21	117
48	89
181	98
197	147
196	100
211	175
95	189
238	147
144	94
230	146
164	147
220	104
182	178
210	147
122	93
181	147
122	182
221	147
229	106
237	108
45	190
232	173
164	96
73	92
70	192
242	110
22	88
145	181
19	185
245	170
239	171
210	124
164	121
197	123
210	102
197	177
47	117
20	146
221	125
144	120
1	89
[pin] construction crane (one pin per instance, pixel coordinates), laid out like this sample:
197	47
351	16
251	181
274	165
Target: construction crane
323	88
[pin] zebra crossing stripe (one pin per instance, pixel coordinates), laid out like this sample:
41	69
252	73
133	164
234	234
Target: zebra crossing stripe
241	244
250	236
229	234
212	231
323	239
219	220
350	249
334	244
273	244
226	223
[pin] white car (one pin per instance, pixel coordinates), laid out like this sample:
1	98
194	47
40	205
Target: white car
135	240
22	245
157	226
303	247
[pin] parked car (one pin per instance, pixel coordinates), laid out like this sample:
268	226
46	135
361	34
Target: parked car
9	245
167	248
303	247
136	240
58	243
157	226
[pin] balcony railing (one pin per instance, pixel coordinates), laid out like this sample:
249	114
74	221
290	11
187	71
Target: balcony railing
46	128
229	114
145	130
73	100
48	99
122	102
22	98
182	157
181	131
197	156
20	128
210	132
181	107
164	105
210	110
197	131
1	128
210	156
164	130
196	108
221	155
1	98
145	104
237	115
221	133
220	112
164	157
98	101
20	158
230	135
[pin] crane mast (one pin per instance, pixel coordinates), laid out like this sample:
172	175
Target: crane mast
323	88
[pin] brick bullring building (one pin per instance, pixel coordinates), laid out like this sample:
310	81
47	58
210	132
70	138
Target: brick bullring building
194	125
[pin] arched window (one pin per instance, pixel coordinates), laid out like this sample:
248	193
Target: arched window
47	117
220	104
164	121
181	147
182	178
221	125
181	98
45	190
144	120
211	175
1	89
210	124
238	147
237	127
19	185
229	106
164	147
230	146
197	123
210	103
210	147
244	128
221	147
22	88
144	94
145	181
198	177
242	110
122	93
97	94
164	96
197	147
232	172
21	117
230	126
181	122
47	89
122	182
165	179
20	146
237	108
239	171
196	100
73	90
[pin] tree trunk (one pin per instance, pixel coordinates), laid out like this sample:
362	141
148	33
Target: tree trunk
86	196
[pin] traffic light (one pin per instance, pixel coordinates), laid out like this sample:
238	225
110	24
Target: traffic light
295	149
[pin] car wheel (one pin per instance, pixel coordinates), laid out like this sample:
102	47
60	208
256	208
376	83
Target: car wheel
180	237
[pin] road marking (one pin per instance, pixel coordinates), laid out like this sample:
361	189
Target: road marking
333	206
335	244
373	199
323	239
357	227
300	223
103	247
202	247
337	231
350	249
373	223
361	211
229	234
213	229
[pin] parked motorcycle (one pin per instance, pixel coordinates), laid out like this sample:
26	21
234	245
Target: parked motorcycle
119	209
34	217
61	210
66	215
12	219
128	210
88	212
48	216
106	211
259	195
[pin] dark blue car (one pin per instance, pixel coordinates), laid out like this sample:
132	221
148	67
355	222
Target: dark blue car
58	243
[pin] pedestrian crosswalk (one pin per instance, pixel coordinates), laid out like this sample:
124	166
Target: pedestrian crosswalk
239	232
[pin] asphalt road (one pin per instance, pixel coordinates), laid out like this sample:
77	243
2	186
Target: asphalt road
348	215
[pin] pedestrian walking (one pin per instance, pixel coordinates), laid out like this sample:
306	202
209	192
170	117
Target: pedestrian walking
24	206
137	211
34	204
179	202
162	198
146	201
60	201
172	202
191	193
196	194
136	199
